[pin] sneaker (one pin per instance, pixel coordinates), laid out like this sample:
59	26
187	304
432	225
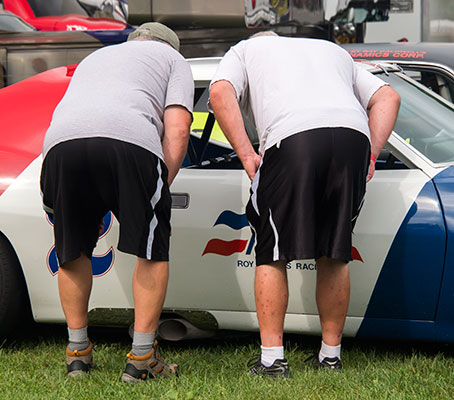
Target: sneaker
79	362
139	368
327	363
278	368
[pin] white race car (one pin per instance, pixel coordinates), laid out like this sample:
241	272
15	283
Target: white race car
403	269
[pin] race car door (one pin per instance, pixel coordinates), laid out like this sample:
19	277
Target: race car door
212	261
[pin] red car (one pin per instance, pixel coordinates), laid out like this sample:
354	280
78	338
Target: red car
72	21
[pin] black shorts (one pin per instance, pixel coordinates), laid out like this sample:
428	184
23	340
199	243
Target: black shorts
307	195
82	179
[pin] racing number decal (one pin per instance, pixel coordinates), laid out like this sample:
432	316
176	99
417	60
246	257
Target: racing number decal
101	264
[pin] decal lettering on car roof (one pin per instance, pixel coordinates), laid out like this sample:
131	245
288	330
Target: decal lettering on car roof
387	54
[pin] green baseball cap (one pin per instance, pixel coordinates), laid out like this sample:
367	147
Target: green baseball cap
156	30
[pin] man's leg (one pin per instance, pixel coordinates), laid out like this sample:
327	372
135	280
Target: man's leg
149	286
271	300
75	280
333	296
74	284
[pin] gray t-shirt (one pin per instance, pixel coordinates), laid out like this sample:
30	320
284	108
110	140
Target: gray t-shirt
121	92
296	84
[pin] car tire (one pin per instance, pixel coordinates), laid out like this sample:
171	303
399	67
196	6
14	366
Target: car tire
14	302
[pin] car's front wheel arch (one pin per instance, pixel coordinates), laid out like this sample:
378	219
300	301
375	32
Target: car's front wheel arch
14	300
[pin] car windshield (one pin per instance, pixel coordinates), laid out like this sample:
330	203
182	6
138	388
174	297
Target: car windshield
10	23
43	8
117	9
425	120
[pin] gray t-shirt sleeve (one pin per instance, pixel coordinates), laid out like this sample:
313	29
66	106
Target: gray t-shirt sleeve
232	68
365	84
180	89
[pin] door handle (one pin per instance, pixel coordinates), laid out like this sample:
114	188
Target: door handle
180	200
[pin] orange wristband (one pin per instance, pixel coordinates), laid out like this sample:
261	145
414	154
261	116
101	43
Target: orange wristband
373	158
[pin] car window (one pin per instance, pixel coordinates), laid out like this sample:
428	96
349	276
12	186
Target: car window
440	83
388	160
208	147
10	23
425	121
42	8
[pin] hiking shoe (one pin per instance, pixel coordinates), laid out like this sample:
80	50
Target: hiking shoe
79	362
279	368
327	363
139	368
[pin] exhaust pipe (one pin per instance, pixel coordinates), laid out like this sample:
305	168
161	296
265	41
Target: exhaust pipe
174	329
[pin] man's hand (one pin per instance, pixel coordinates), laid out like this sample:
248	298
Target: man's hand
251	165
371	170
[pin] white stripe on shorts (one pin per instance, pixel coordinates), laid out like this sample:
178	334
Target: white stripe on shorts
254	186
276	239
359	208
154	200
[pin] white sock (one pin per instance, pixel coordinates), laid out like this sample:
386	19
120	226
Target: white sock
329	351
271	354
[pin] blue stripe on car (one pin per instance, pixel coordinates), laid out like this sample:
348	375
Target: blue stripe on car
445	313
405	298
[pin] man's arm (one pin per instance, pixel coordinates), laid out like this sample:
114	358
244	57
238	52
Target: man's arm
383	109
177	122
227	112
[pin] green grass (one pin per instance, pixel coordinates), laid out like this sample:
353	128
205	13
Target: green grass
32	367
